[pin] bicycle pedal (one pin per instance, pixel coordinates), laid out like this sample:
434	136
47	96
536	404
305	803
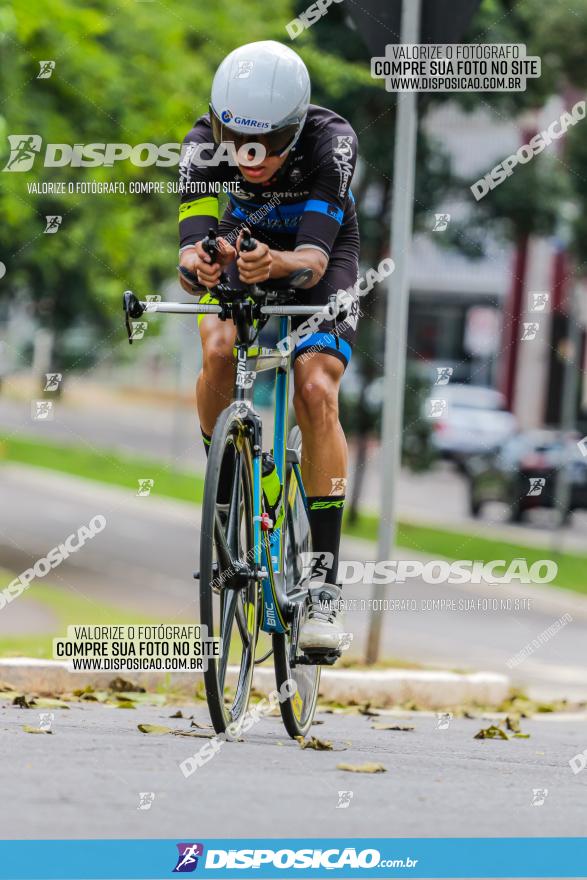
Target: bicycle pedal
319	658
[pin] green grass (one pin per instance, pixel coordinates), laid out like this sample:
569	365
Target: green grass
451	545
106	466
67	608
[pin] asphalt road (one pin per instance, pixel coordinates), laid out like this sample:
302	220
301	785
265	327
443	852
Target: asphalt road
144	557
85	778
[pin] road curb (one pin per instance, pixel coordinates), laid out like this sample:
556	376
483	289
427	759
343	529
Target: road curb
428	689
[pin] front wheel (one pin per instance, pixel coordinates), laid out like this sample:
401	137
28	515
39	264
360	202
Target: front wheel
229	600
298	708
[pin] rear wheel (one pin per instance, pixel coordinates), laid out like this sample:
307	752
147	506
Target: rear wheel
229	600
297	710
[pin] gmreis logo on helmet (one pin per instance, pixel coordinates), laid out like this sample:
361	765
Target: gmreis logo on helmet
226	116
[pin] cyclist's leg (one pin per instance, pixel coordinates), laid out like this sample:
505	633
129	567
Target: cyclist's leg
214	389
320	361
319	364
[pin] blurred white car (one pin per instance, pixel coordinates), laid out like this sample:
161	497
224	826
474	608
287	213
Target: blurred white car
468	420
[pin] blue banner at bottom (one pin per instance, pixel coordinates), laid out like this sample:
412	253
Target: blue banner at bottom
300	857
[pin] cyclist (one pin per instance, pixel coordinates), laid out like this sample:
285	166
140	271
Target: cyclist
298	205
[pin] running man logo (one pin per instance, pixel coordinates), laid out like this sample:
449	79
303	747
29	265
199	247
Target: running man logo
530	331
53	222
23	149
187	859
537	484
338	486
42	410
539	795
46	68
46	720
146	799
316	566
145	487
539	301
436	407
244	69
52	381
443	720
344	799
139	328
443	375
441	222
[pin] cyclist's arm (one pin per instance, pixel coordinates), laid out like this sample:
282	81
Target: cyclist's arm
334	159
283	263
198	209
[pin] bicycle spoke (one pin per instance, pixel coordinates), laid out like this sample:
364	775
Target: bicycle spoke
233	527
229	604
225	557
242	623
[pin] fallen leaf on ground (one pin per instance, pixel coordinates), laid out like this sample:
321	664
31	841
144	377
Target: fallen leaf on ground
381	726
178	714
154	729
121	684
315	721
512	722
521	736
362	768
125	704
198	725
28	729
367	710
81	692
21	701
4	686
491	732
50	703
319	745
194	733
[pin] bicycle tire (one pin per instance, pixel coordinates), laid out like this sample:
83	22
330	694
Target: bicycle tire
297	711
228	609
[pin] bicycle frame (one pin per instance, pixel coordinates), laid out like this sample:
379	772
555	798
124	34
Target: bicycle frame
268	546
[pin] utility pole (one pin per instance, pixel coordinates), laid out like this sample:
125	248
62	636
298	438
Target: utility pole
396	322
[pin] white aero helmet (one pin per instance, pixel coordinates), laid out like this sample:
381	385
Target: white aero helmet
260	93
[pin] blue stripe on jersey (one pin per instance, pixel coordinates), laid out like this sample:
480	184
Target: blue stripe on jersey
321	207
284	216
324	341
